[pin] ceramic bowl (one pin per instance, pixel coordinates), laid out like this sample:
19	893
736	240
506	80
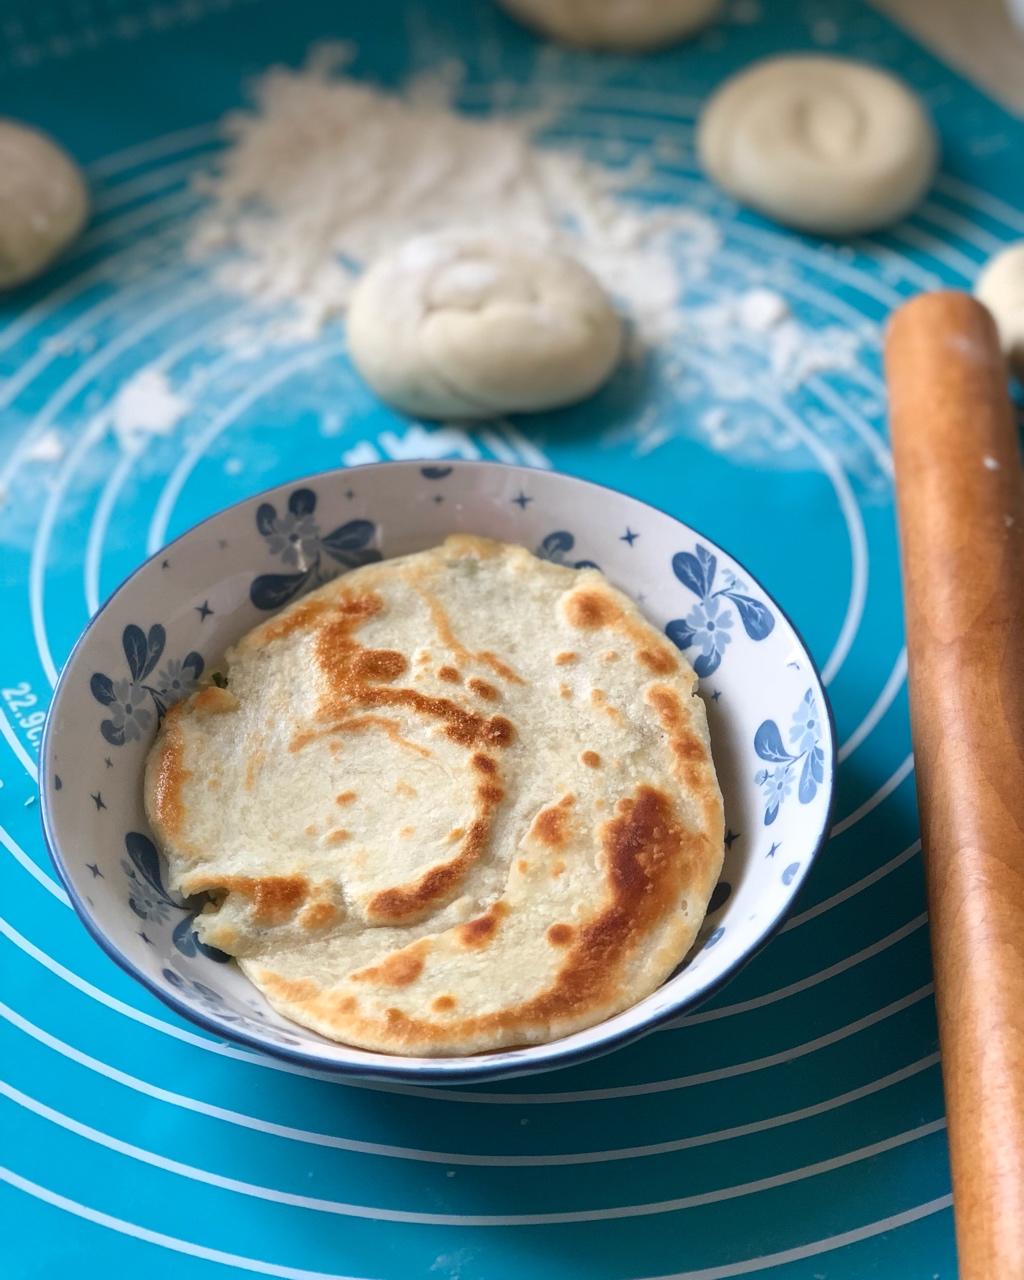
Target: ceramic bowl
173	618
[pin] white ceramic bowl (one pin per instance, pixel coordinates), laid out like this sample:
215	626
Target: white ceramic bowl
771	729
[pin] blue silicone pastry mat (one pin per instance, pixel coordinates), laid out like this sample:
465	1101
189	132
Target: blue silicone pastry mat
795	1125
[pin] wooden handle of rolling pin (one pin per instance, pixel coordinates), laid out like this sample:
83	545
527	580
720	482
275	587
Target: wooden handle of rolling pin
959	485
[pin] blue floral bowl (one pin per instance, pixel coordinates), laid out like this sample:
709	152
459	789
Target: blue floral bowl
149	645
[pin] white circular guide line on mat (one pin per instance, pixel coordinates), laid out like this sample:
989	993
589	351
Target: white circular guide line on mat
138	219
85	372
897	679
803	984
851	891
347	1209
14	742
111	490
874	800
169	494
315	1138
828	462
37	873
724	1272
312	1138
975	198
78	377
162	145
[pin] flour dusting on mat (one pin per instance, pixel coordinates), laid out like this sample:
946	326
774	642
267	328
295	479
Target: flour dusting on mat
327	172
146	405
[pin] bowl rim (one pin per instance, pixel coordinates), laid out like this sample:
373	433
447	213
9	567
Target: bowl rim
394	1069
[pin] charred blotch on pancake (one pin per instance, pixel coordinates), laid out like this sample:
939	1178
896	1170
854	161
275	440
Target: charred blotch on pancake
560	935
591	759
483	690
478	932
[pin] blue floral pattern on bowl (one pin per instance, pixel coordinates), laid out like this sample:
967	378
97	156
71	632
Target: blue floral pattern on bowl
214	1003
148	898
294	537
805	738
556	547
134	700
708	625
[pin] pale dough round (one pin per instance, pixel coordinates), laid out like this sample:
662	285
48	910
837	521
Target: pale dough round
615	24
43	202
822	144
470	325
1001	288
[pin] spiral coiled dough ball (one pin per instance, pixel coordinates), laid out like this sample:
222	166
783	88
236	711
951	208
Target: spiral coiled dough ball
823	144
470	325
614	24
1001	288
43	202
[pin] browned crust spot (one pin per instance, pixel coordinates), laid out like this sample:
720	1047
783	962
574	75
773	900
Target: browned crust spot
213	701
274	899
171	776
563	659
338	836
449	674
688	750
483	690
551	825
318	915
406	832
344	797
379	664
564	691
560	935
400	969
590	608
407	903
353	609
252	766
443	1004
591	759
403	788
484	764
523	866
446	634
499	667
593	608
600	700
658	659
356	724
478	933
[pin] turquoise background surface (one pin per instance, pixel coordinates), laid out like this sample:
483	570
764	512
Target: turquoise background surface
794	1126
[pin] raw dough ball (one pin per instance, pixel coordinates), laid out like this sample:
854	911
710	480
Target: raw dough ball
1001	288
822	144
43	202
470	325
614	24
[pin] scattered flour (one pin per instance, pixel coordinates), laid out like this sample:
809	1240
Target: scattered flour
146	406
48	448
328	172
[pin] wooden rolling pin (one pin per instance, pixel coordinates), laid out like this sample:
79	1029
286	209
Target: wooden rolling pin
959	486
